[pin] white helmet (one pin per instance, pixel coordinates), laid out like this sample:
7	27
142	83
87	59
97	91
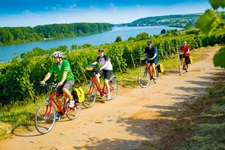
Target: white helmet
57	54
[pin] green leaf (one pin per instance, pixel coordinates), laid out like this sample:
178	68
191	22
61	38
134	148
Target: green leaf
207	22
218	58
217	3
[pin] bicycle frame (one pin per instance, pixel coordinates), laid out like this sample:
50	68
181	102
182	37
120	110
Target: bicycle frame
149	69
97	85
45	116
147	74
52	100
182	64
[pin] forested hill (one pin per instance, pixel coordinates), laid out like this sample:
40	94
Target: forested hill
16	35
169	20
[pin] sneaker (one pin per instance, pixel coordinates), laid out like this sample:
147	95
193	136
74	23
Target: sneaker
58	116
187	70
154	78
71	105
108	96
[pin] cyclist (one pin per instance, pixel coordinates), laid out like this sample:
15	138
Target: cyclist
65	78
106	69
186	49
152	54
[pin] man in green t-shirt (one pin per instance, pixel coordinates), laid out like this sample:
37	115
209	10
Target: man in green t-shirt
65	77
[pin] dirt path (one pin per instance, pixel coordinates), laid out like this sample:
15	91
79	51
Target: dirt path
122	124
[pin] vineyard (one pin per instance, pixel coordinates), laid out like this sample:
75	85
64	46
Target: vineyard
20	79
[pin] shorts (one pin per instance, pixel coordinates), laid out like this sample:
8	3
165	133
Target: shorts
68	85
107	74
181	56
187	60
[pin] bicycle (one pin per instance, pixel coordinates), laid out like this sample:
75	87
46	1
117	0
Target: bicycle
182	64
90	90
147	74
45	116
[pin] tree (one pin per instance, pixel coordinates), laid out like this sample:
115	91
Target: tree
163	31
118	39
73	47
142	36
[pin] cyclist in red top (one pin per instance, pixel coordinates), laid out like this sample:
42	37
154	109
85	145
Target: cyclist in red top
186	49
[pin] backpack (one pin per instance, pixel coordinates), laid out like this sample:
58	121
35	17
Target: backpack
78	94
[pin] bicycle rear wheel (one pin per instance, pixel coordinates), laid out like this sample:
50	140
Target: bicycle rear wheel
90	94
113	85
73	113
45	118
180	67
143	78
158	75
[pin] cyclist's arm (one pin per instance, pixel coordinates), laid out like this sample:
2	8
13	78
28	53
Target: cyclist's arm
106	63
94	63
47	76
153	56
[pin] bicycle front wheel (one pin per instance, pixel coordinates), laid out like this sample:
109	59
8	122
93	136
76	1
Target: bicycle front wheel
113	85
180	67
45	118
90	94
143	78
73	113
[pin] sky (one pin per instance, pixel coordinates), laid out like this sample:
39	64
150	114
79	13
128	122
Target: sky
15	13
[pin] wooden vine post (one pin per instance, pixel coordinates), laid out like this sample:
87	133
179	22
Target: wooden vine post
119	65
132	60
82	72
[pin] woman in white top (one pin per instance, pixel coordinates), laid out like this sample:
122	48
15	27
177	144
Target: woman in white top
106	70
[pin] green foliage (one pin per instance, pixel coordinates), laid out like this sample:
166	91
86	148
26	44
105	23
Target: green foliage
142	36
216	4
207	22
118	39
20	79
218	58
13	35
163	31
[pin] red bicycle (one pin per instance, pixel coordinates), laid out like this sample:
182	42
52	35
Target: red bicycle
46	114
90	90
147	74
181	65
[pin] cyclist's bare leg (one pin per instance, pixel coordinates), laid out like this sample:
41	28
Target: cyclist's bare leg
67	93
153	67
107	86
59	100
98	78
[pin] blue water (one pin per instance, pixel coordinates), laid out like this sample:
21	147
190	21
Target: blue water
8	52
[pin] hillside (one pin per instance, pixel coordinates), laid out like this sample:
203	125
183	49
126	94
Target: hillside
178	20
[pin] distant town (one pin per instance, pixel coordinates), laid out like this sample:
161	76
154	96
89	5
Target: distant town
170	20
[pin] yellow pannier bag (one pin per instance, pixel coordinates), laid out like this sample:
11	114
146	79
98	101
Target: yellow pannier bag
78	94
191	59
160	67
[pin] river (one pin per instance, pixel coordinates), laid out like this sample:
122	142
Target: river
8	52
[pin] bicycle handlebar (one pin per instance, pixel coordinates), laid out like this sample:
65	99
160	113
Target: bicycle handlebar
53	84
144	58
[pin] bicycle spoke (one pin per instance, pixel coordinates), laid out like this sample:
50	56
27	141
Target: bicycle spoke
45	118
113	88
90	96
143	78
73	113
